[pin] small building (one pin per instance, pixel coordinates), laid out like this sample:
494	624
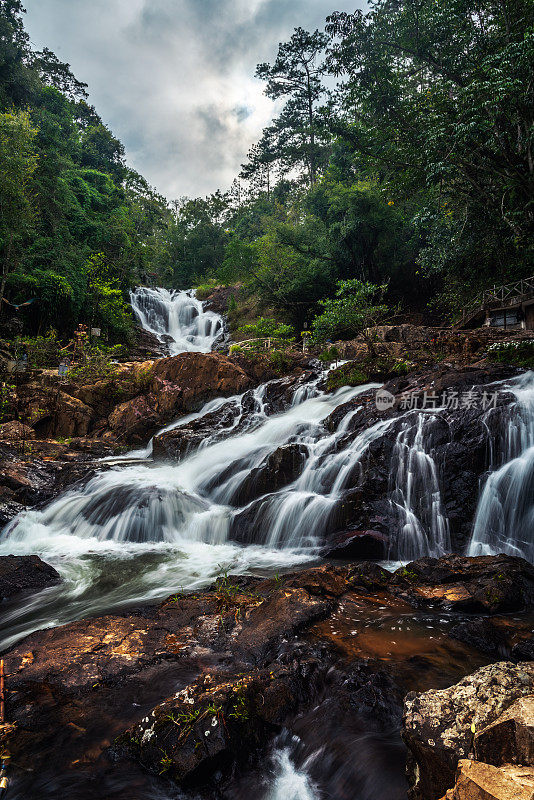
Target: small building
510	306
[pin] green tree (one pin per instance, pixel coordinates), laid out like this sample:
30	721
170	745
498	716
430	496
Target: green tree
357	306
296	74
18	162
439	98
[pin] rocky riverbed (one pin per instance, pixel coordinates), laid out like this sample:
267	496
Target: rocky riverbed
251	671
197	690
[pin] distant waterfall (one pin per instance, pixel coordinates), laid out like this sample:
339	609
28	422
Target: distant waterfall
504	521
178	319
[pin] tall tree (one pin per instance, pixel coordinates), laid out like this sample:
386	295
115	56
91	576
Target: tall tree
441	97
18	161
296	74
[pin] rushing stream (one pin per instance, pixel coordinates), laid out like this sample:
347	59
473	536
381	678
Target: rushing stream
138	532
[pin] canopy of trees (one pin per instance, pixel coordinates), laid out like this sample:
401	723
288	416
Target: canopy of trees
402	156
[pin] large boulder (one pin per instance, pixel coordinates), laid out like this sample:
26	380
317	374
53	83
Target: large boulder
23	575
178	385
438	724
487	584
455	440
479	781
510	739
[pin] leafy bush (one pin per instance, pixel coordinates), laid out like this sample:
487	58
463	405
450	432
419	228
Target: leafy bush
43	351
269	328
205	289
519	353
351	311
347	375
329	355
98	366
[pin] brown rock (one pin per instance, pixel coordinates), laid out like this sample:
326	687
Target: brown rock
16	431
179	384
510	739
23	575
437	723
478	781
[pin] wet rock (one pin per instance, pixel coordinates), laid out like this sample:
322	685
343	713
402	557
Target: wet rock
24	575
524	650
481	634
146	346
278	470
510	739
240	661
180	442
437	723
457	440
487	584
8	510
356	545
479	781
216	723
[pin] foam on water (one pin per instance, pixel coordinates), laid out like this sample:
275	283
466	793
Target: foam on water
177	318
504	522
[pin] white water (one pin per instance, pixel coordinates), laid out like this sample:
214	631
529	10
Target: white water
288	782
504	521
415	492
137	533
178	315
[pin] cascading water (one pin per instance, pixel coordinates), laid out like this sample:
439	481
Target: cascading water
177	318
415	492
504	521
135	533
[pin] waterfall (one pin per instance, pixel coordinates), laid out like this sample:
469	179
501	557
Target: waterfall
137	532
177	319
504	522
415	492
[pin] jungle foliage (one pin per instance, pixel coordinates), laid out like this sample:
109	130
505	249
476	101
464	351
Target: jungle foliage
402	157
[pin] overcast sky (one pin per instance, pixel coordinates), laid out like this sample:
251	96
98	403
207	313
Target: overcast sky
174	79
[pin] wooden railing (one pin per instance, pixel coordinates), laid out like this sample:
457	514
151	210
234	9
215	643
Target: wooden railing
264	343
505	295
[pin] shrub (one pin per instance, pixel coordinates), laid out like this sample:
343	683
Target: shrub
269	328
519	353
98	366
205	289
43	351
347	375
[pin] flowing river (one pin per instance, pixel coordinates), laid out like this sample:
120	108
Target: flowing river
138	532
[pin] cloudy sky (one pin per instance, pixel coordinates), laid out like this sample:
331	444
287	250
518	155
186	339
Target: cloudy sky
174	79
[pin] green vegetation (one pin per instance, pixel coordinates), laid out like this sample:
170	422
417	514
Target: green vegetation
519	353
268	328
408	186
351	311
414	175
78	228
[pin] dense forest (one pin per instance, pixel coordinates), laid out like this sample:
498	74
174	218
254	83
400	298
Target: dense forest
398	176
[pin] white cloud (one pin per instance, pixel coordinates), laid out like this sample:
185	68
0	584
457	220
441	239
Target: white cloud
174	79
